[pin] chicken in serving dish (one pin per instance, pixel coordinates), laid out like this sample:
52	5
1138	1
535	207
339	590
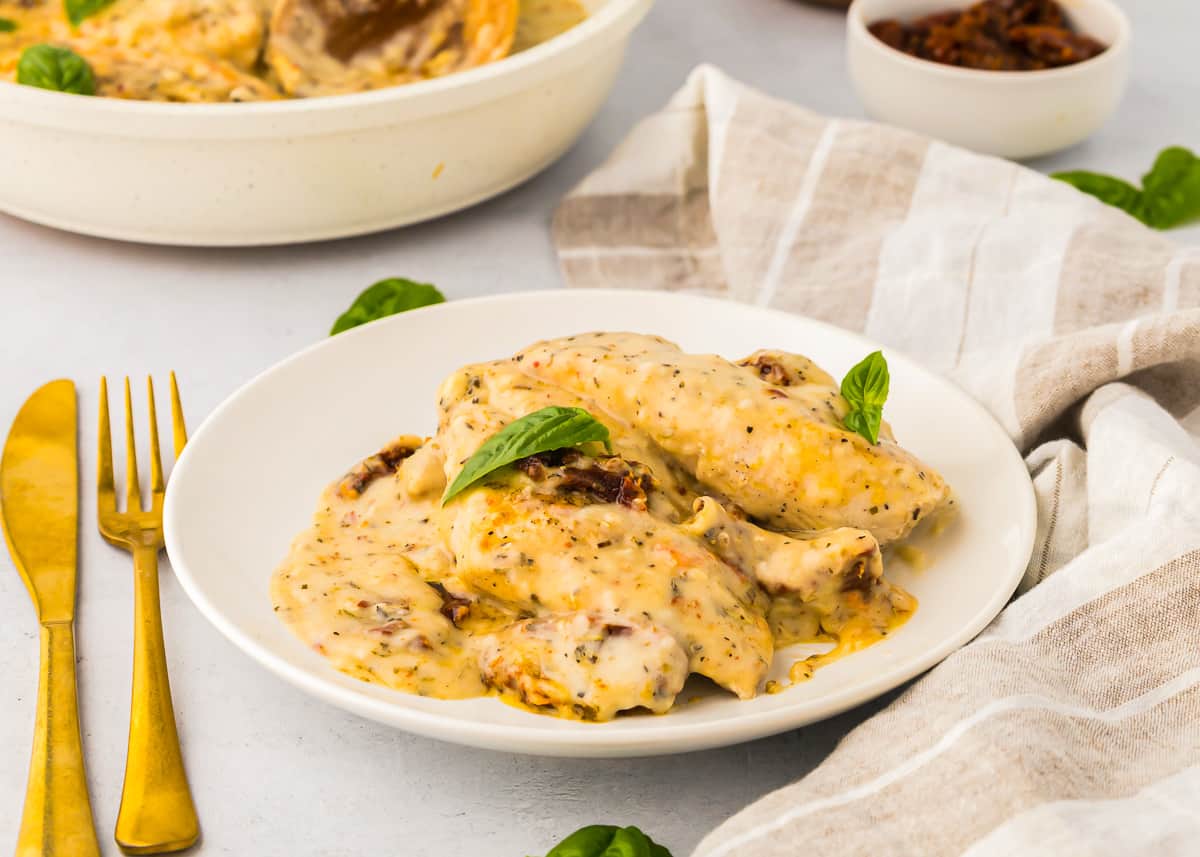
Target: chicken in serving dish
730	514
259	50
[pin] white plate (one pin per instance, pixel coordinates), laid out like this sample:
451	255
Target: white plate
250	478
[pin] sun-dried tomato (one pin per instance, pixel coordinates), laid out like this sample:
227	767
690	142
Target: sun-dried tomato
994	35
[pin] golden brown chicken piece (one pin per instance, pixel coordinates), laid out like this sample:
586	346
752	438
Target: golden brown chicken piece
152	50
585	664
778	450
551	537
212	31
562	557
171	77
814	567
835	576
477	401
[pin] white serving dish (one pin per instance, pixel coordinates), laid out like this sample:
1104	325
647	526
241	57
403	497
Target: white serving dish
1014	114
303	170
251	476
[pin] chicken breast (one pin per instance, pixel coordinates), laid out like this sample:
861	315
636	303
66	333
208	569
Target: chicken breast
478	400
812	567
726	519
564	538
254	50
219	31
779	451
586	665
155	76
172	77
562	557
835	578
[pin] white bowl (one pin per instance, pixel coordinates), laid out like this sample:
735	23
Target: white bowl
1014	114
284	172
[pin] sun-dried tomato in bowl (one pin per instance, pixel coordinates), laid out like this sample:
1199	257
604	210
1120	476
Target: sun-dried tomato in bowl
995	35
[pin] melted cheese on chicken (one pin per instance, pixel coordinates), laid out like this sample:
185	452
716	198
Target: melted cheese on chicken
584	583
780	448
245	50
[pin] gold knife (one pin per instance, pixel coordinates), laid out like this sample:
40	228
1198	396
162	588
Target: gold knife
39	510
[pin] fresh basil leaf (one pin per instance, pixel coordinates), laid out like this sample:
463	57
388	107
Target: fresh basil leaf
7	25
1169	196
606	840
387	297
1172	189
1108	189
542	431
865	389
865	421
56	68
77	10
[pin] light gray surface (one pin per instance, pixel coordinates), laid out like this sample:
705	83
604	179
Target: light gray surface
276	773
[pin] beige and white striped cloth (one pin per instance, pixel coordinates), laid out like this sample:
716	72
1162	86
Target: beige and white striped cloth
1071	726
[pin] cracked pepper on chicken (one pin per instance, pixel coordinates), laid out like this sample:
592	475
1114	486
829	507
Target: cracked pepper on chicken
733	516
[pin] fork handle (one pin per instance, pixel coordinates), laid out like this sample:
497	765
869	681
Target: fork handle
57	821
157	814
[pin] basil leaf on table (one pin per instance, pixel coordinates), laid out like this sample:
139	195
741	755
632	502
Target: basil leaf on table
1169	196
606	840
55	68
7	25
865	388
542	431
77	10
387	297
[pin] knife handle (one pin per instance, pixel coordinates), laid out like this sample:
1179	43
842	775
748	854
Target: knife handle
57	821
157	814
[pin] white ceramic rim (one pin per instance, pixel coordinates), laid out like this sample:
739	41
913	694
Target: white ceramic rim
684	738
614	19
857	28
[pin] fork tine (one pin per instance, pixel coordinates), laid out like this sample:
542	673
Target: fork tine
179	428
133	494
106	491
156	471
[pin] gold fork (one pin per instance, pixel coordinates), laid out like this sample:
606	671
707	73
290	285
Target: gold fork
157	814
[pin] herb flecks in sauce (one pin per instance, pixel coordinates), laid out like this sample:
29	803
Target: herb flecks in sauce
583	582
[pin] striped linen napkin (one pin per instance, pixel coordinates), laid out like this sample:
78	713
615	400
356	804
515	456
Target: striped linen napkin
1071	725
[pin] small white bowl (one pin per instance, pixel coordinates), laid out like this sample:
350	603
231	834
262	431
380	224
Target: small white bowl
291	171
1014	114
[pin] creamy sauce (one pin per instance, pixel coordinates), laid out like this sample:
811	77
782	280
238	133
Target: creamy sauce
584	584
257	50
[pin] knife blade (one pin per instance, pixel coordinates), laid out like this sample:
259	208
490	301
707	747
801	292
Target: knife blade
39	513
39	498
